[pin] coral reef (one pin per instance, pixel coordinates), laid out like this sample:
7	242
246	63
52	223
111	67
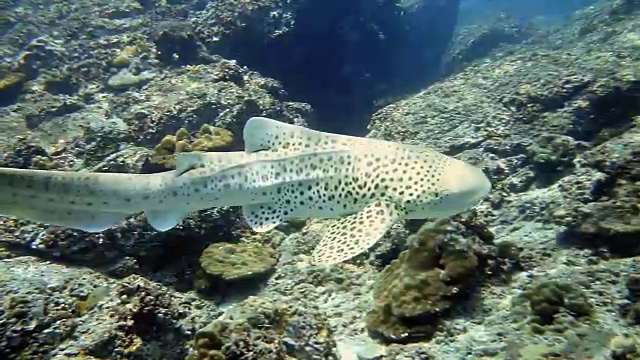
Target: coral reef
223	95
612	220
476	41
59	312
631	310
259	329
419	287
209	138
545	267
547	300
227	265
11	83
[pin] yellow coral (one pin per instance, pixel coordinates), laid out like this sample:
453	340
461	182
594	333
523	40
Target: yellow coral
206	129
10	80
182	146
182	134
209	138
123	59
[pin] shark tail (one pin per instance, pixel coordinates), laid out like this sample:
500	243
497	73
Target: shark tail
87	201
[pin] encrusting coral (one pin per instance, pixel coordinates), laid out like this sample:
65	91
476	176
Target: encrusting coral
416	289
224	264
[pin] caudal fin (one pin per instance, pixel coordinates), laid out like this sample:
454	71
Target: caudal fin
90	221
86	201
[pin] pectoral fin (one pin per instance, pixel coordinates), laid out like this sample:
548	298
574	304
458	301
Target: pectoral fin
165	220
354	234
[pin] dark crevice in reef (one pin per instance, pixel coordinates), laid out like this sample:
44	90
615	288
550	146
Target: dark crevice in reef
343	57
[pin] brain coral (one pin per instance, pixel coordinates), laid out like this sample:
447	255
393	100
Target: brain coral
226	262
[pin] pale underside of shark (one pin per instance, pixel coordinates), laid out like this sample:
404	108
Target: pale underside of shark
285	172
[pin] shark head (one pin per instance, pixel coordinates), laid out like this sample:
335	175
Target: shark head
448	187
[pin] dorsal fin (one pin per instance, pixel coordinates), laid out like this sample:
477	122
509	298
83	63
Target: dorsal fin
187	161
262	133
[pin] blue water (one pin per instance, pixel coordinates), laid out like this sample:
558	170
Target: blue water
541	12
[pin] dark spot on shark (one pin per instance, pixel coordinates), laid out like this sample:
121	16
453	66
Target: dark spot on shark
46	183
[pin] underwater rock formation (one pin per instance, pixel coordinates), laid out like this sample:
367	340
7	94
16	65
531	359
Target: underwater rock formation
612	220
338	56
259	329
474	42
11	83
52	311
631	310
553	121
547	300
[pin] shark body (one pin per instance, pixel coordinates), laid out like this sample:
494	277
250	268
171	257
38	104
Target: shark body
285	172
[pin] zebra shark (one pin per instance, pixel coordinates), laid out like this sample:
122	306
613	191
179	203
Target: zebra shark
286	171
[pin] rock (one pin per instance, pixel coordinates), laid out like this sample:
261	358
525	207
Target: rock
612	220
550	86
11	83
223	95
476	41
339	57
548	299
176	44
125	79
70	312
257	328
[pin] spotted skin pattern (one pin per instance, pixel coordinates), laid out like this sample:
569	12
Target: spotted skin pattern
389	182
355	233
285	172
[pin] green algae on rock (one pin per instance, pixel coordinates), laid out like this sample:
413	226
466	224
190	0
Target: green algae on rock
258	328
556	305
126	79
416	289
631	310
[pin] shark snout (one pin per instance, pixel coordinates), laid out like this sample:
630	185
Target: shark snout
467	183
